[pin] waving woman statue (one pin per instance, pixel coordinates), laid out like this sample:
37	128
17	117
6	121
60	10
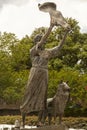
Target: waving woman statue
36	89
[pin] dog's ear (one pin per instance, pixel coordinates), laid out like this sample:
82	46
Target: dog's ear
61	81
67	81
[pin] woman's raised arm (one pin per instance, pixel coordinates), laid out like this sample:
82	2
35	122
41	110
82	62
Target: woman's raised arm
55	51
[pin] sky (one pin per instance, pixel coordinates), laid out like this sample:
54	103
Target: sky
21	17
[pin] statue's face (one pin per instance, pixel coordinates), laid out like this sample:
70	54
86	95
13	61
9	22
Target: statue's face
37	38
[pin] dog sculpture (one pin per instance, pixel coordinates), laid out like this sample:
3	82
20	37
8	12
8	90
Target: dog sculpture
57	104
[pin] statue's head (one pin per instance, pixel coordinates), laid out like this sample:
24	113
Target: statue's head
63	87
37	38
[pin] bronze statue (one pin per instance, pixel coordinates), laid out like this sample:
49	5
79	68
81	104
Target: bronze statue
35	98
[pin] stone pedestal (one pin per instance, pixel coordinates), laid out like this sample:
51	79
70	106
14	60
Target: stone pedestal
52	127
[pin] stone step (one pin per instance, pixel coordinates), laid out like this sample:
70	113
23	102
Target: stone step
52	127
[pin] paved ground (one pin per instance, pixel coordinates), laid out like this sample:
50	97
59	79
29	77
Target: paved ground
2	126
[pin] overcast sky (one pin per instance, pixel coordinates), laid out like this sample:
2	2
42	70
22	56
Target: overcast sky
23	16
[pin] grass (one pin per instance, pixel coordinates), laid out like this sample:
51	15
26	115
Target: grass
74	122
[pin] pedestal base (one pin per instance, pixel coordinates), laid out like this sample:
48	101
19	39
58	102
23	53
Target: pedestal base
51	127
